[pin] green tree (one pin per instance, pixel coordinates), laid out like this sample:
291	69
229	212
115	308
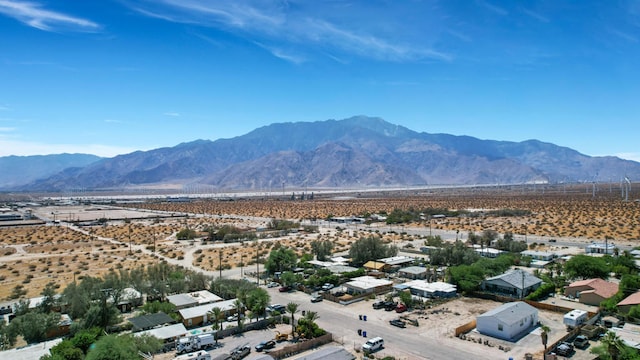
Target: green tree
544	336
216	316
586	267
281	259
321	249
114	347
158	306
34	325
84	338
370	248
48	297
8	335
65	350
77	300
257	301
186	234
292	308
147	344
406	298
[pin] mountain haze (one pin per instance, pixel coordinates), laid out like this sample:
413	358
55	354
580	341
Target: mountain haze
355	152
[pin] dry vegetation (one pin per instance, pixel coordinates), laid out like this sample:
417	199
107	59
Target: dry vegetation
32	256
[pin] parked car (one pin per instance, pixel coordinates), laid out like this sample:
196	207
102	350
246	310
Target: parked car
397	322
273	284
401	308
265	345
378	304
327	287
316	298
240	352
373	344
285	288
564	349
390	305
277	307
234	317
581	342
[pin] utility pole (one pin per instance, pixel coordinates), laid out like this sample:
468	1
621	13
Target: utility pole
257	265
220	259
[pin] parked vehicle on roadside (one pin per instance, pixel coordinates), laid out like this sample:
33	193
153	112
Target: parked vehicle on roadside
200	355
564	349
195	342
373	344
390	305
378	304
265	345
400	308
273	284
581	342
397	322
240	352
316	298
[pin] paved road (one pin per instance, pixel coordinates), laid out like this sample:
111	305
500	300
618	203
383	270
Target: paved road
343	322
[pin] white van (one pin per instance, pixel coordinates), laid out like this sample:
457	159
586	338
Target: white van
373	344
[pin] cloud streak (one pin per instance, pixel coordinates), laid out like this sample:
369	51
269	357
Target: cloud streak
34	15
292	31
24	148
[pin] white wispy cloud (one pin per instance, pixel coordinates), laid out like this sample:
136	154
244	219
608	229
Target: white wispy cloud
172	114
536	15
113	121
24	148
7	129
34	15
493	8
291	30
4	108
624	35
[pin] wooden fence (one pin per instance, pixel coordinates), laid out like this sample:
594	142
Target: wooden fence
297	348
463	329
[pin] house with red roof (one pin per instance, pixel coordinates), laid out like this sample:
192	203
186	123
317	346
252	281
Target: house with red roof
591	291
630	301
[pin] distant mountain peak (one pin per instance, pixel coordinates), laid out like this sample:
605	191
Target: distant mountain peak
360	151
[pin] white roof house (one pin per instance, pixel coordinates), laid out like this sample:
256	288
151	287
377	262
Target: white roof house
600	248
436	289
509	321
397	260
367	284
166	332
201	312
413	272
194	298
539	255
488	252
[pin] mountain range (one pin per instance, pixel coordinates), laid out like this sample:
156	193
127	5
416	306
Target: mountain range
352	153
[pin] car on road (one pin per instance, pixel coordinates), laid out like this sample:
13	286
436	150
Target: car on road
265	345
564	349
378	304
286	288
273	284
373	344
316	298
397	322
581	342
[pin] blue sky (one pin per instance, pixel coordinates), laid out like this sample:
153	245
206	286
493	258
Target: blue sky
110	77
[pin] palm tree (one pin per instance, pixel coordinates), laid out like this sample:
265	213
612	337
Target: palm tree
544	336
216	315
613	344
292	308
239	306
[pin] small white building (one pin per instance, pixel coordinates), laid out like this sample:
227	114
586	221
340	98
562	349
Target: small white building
199	315
600	248
195	298
367	284
432	290
509	321
165	333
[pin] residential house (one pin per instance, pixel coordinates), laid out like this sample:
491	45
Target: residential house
509	321
63	327
199	315
431	290
167	333
630	301
195	298
489	252
413	272
591	291
600	248
150	321
367	285
515	283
